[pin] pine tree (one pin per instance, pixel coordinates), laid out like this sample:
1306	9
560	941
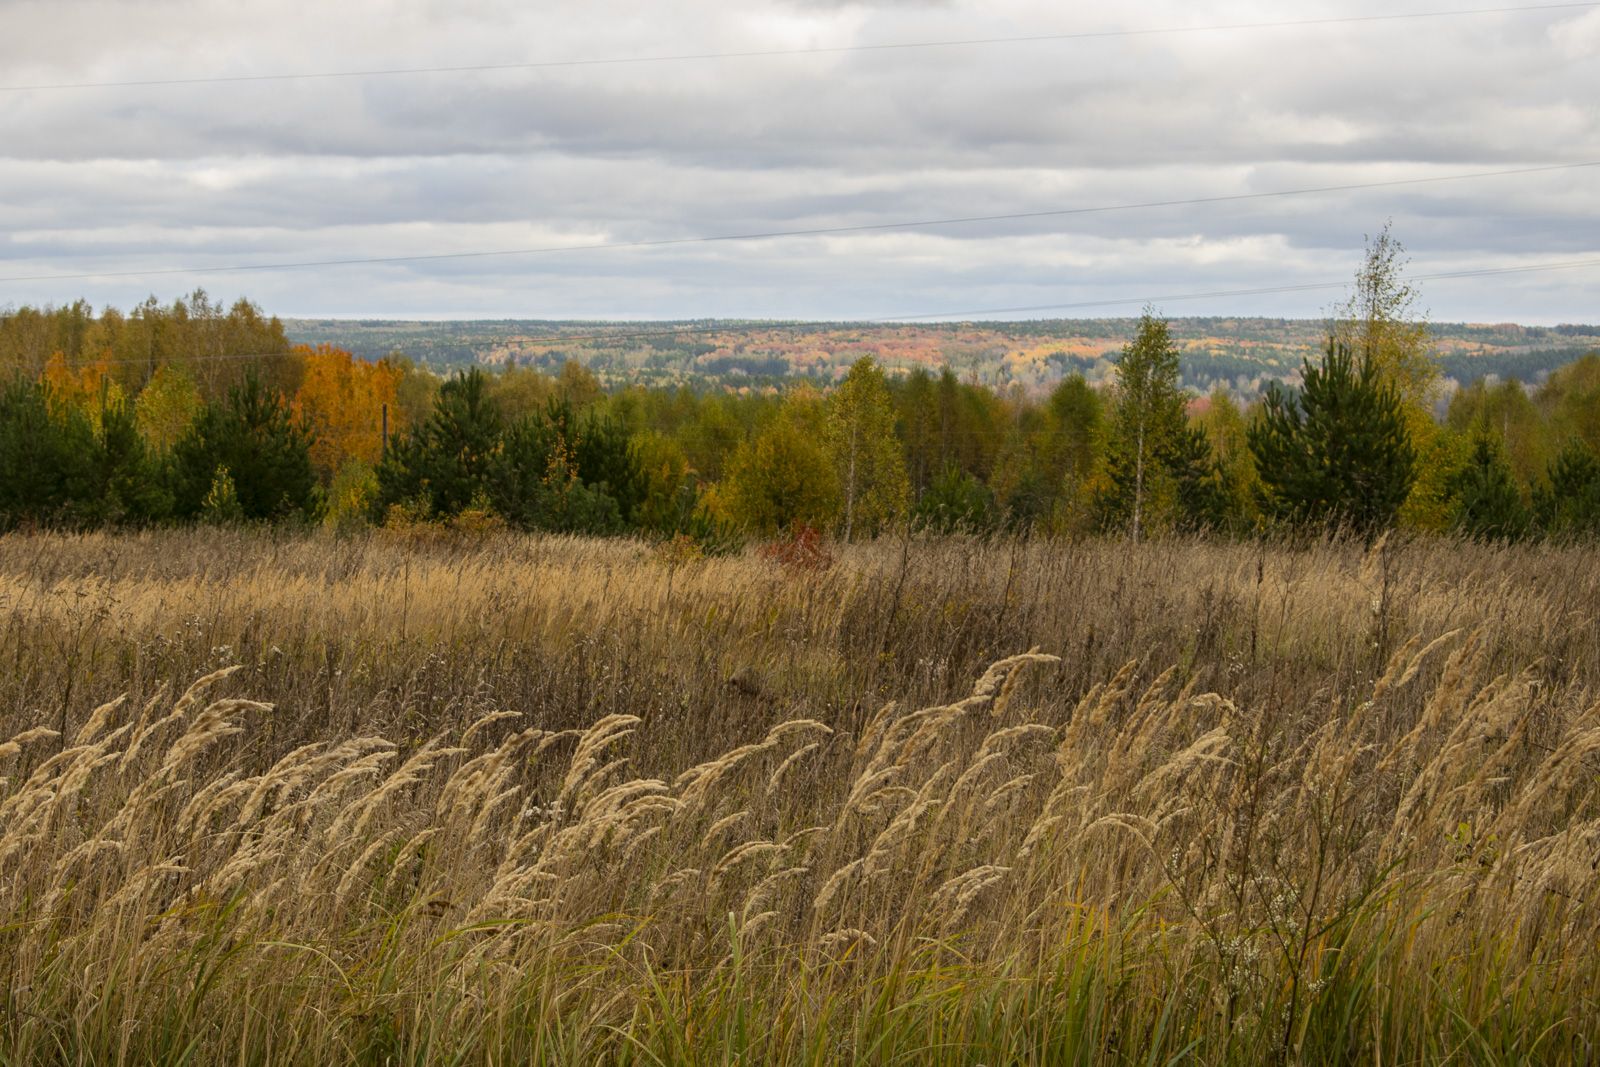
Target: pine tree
557	471
264	450
46	458
607	462
1203	504
1381	324
1569	506
956	502
221	504
128	478
451	457
1336	453
1486	503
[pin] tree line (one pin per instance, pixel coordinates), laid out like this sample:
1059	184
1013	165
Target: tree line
184	432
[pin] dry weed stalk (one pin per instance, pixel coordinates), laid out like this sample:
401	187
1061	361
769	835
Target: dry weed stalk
1248	846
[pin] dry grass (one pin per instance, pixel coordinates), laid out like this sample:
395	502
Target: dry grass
558	801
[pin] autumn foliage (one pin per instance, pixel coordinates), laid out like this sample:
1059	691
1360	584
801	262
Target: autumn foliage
341	401
173	401
803	549
88	387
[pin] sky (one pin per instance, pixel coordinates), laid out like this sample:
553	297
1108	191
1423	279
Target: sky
170	178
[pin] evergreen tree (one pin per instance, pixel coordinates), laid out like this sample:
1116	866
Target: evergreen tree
47	459
1486	503
1569	506
606	460
265	452
1334	453
956	502
451	458
558	472
1203	504
221	504
1025	495
1380	322
128	479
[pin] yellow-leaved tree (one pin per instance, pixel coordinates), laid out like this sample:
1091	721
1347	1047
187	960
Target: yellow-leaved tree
169	402
1226	427
867	458
341	402
782	478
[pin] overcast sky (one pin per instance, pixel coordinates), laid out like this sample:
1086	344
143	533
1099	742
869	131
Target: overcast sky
278	171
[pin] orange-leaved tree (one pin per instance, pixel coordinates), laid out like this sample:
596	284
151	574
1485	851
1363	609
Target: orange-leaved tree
341	402
88	388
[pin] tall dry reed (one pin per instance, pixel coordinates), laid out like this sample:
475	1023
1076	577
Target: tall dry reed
1249	805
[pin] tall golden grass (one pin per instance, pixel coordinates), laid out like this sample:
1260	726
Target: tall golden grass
945	802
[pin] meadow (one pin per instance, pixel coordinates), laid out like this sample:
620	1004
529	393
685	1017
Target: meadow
412	797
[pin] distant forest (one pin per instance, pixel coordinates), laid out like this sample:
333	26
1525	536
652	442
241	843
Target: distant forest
1240	354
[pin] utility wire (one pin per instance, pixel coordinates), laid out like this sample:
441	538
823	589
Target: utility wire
1572	264
815	231
969	42
730	325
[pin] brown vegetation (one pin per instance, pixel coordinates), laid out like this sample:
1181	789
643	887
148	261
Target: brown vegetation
574	801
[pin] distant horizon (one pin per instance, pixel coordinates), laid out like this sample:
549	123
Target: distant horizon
10	308
886	322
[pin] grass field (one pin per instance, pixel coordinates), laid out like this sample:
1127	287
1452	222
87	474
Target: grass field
296	799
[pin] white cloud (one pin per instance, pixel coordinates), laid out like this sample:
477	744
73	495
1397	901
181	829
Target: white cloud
247	172
1578	37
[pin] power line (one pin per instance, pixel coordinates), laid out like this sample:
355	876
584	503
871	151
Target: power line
1572	264
727	326
969	42
815	231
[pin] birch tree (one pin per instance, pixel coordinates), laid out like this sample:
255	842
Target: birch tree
1147	418
867	456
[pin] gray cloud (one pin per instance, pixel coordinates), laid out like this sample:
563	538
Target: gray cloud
347	168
